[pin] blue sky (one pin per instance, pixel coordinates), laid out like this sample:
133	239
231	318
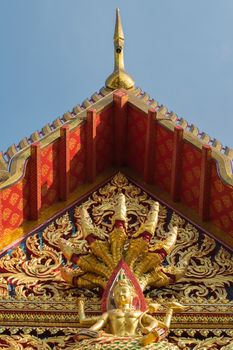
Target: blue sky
55	53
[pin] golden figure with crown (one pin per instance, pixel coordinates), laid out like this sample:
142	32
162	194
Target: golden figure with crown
122	267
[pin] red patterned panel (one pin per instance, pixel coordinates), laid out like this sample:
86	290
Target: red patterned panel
26	203
190	179
104	139
15	205
163	157
136	134
77	157
221	202
49	175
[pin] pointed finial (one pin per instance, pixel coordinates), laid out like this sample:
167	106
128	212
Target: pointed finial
119	78
118	34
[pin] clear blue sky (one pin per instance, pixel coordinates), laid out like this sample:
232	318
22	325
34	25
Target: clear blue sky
55	53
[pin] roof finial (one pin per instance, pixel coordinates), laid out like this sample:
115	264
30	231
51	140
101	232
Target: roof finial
118	34
119	78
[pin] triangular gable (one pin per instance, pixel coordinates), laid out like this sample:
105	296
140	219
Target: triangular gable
33	292
128	129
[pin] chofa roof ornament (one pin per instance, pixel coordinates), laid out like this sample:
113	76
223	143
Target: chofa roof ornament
119	78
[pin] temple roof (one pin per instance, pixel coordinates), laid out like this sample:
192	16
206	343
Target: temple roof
12	161
118	127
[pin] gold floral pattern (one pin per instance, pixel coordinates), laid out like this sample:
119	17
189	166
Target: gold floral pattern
30	278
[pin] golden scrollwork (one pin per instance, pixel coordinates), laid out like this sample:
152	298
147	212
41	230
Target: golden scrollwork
30	277
135	248
213	343
25	340
209	275
28	273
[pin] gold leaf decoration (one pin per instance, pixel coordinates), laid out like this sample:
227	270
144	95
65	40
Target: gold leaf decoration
31	282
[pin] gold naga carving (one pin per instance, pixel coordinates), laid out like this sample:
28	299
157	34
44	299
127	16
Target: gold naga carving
123	266
144	258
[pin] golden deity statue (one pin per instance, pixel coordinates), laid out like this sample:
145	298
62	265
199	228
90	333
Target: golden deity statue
126	324
120	267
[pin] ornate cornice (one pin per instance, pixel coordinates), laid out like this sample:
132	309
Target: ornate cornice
13	161
222	155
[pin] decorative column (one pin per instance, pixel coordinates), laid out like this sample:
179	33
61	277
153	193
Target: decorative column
149	161
120	99
91	145
204	198
35	181
176	163
64	163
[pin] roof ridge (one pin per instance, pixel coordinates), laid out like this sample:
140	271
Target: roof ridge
50	132
162	112
7	156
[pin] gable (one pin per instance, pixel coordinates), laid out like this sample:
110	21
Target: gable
123	130
33	292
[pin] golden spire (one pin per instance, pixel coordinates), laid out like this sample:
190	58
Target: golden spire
118	34
119	78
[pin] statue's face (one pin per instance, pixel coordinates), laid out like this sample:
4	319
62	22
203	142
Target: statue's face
123	295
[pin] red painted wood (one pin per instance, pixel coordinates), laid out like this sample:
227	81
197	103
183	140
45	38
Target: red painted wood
221	201
204	199
191	173
149	160
105	156
91	145
64	163
136	136
176	163
120	99
163	157
35	181
1	211
77	147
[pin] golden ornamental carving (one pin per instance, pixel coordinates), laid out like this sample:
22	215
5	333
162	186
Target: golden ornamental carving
22	338
31	281
119	78
209	263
